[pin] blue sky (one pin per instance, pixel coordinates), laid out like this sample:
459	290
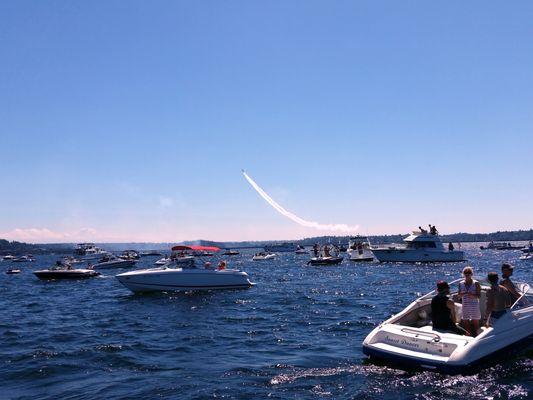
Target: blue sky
132	120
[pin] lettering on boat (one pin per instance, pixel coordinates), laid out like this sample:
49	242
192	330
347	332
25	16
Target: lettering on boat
403	342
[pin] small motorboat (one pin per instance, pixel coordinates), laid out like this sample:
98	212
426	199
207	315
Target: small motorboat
263	256
150	253
65	273
114	262
71	260
162	261
230	252
408	338
301	250
23	259
321	260
13	271
527	257
8	257
129	255
501	246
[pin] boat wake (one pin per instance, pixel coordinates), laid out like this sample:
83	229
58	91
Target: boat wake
308	224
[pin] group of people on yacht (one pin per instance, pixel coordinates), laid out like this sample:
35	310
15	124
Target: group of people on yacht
501	295
432	230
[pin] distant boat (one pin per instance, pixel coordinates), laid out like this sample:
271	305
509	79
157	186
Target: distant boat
65	273
301	250
150	253
88	251
359	249
325	260
114	262
8	257
23	259
230	252
281	247
263	256
420	246
13	271
501	246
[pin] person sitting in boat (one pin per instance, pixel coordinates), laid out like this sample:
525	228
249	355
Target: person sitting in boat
470	292
221	265
422	230
443	310
207	265
507	272
498	299
360	248
450	246
326	251
433	229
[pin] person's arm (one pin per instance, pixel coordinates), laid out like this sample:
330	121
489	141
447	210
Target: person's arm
510	287
451	306
490	306
478	290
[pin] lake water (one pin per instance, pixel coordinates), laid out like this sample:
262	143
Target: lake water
296	335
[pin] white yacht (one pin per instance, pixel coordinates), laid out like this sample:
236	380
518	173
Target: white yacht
418	247
408	337
88	251
359	249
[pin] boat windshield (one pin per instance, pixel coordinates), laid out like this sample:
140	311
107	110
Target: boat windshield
421	245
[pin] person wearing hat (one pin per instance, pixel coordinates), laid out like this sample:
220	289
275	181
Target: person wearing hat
443	310
507	272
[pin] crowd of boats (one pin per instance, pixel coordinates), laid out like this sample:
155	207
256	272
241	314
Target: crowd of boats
407	337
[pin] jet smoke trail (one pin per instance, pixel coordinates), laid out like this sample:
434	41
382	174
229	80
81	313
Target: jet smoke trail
309	224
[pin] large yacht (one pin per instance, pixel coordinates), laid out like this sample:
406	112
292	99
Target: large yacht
409	338
88	251
420	246
281	248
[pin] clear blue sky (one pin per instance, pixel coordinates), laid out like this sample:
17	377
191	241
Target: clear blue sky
132	120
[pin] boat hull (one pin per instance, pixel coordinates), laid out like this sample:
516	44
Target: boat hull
405	255
65	274
325	261
169	279
115	264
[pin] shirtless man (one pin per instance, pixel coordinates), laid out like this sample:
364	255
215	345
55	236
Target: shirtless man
507	272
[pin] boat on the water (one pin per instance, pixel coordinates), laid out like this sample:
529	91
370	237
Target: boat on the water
184	277
263	256
130	255
325	260
301	250
162	261
88	251
150	253
65	273
230	252
408	337
501	246
527	257
529	248
23	259
13	271
114	262
359	249
71	260
280	247
420	246
8	257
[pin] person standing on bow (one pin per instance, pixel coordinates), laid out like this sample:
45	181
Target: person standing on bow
470	292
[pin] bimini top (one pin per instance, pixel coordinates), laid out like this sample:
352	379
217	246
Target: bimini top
195	248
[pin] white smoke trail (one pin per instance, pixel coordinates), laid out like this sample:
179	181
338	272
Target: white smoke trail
309	224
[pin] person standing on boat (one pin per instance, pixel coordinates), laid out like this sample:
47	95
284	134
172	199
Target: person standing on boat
450	247
498	299
470	292
315	250
507	272
443	310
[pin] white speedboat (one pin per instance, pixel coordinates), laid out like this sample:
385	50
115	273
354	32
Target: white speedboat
162	261
88	251
359	249
8	257
418	247
114	262
183	279
65	273
23	259
527	257
13	271
263	256
408	338
301	250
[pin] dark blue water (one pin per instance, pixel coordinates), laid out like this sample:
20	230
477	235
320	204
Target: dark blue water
296	335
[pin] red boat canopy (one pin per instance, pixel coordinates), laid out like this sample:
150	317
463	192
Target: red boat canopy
195	248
